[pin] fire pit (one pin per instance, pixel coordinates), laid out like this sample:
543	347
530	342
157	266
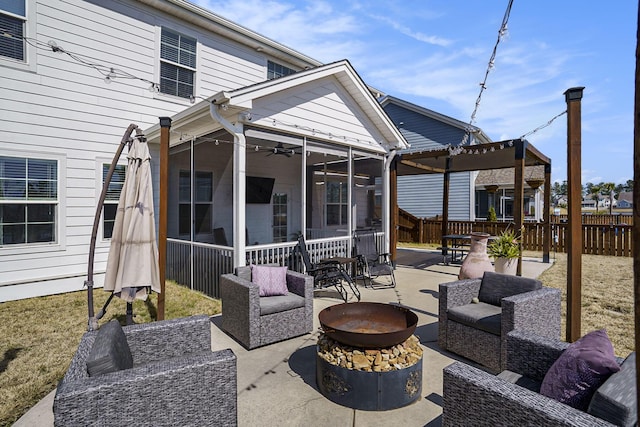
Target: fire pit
379	367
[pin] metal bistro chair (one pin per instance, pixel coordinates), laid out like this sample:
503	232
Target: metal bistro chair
372	263
327	273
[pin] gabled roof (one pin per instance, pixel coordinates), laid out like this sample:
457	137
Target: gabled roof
480	135
242	99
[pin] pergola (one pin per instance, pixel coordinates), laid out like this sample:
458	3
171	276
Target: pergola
514	153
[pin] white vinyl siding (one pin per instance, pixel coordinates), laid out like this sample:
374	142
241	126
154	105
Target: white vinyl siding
28	200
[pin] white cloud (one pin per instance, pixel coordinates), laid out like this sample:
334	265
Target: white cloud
417	35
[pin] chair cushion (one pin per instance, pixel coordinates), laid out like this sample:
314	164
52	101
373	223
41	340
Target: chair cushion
580	370
521	380
110	351
615	400
270	280
495	286
280	303
481	316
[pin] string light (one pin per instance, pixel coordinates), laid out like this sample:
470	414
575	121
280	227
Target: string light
502	33
544	125
107	72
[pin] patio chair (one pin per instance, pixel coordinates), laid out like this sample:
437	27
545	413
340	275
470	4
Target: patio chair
371	263
475	315
473	397
327	273
255	321
161	373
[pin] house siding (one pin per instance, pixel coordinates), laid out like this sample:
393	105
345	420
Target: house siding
426	133
66	110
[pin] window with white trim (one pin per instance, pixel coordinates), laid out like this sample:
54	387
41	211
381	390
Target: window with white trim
13	18
202	202
337	207
112	197
28	200
177	63
275	70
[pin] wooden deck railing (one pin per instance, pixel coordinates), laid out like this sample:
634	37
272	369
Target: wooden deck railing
598	239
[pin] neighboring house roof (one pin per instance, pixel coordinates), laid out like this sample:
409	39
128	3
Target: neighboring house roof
243	99
506	177
480	136
626	196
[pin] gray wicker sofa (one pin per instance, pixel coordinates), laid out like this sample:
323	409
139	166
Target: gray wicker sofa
473	397
175	380
256	321
475	315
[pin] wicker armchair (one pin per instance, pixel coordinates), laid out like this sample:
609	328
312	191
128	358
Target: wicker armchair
473	397
477	330
256	321
176	380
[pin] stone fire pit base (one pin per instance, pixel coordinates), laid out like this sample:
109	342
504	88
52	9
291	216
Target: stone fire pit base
369	390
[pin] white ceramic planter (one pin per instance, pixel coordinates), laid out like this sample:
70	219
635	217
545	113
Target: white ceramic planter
506	265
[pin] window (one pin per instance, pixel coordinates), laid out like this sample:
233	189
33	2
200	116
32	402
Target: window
203	197
13	19
279	203
177	63
28	200
337	206
275	70
112	197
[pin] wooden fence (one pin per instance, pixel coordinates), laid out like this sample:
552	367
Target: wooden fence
598	239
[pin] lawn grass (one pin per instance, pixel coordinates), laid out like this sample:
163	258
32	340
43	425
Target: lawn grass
40	336
607	296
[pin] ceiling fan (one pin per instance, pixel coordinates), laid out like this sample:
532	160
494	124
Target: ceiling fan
280	149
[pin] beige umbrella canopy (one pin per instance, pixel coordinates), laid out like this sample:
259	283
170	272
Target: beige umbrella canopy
132	266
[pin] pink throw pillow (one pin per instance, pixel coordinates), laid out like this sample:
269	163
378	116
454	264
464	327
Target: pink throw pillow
270	280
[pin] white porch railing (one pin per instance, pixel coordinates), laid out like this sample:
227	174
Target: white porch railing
199	266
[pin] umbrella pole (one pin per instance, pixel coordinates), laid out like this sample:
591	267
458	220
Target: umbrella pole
93	322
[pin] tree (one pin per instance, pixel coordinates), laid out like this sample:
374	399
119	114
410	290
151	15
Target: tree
607	190
594	191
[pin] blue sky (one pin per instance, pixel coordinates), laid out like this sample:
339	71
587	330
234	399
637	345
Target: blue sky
435	54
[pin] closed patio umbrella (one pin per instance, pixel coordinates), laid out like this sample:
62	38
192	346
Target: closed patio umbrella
132	266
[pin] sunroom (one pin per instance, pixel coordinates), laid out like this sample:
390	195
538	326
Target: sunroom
250	170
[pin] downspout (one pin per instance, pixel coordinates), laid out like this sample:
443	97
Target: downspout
387	215
239	183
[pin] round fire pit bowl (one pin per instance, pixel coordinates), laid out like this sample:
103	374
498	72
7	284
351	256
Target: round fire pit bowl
368	324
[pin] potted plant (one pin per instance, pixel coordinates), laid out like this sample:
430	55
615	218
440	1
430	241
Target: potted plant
505	249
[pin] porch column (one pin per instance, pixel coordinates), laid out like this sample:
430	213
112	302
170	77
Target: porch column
546	218
165	127
393	232
239	181
518	196
573	99
445	205
388	221
239	196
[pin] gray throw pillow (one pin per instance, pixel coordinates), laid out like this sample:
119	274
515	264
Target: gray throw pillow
615	400
110	351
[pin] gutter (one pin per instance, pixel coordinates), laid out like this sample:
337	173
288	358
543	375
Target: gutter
211	22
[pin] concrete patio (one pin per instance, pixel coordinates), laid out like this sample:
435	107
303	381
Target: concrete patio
276	383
